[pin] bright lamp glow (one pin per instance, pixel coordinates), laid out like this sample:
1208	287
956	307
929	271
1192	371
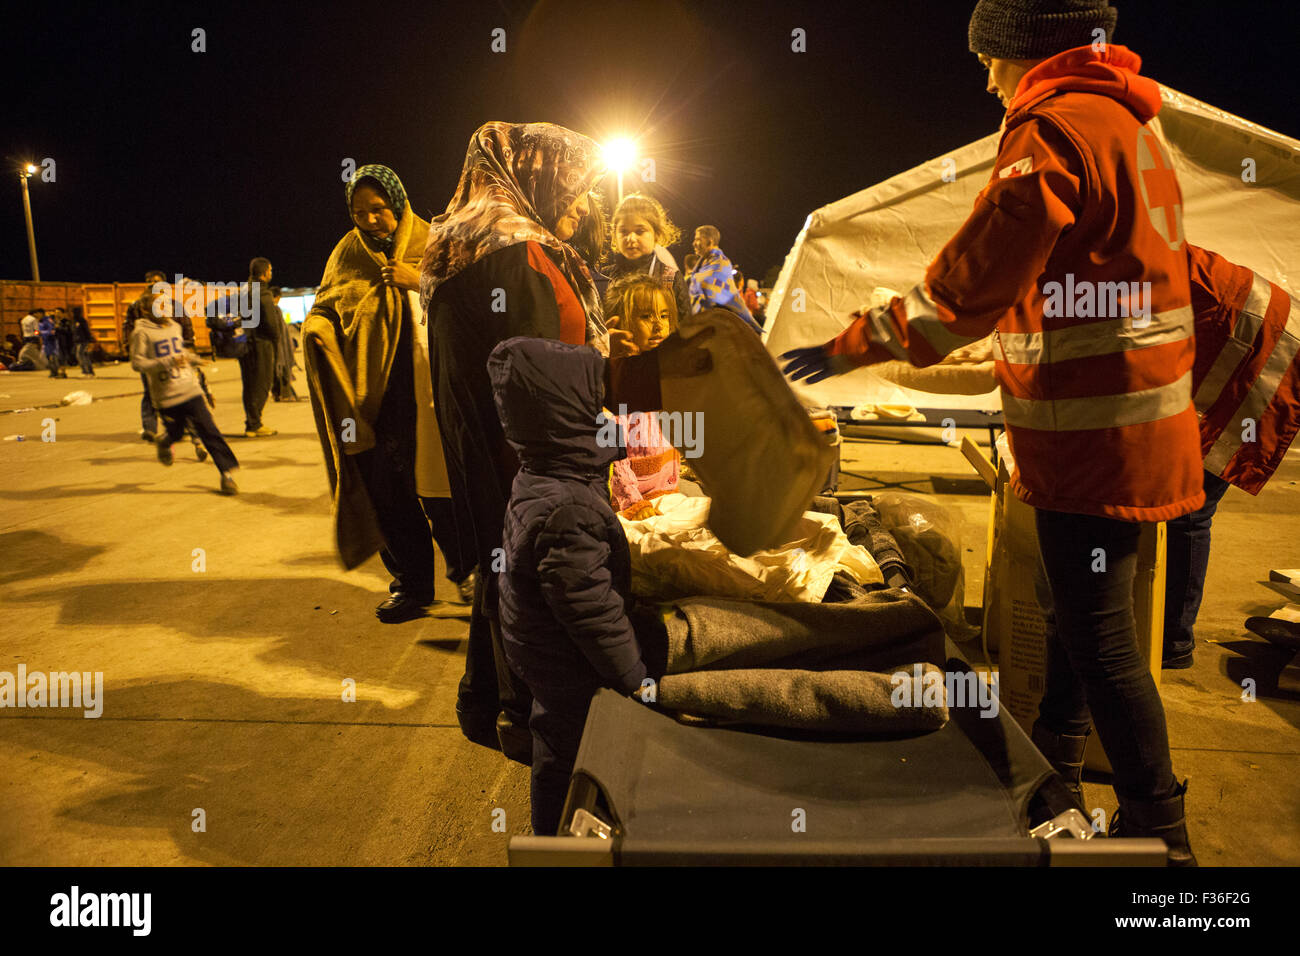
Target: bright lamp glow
31	168
619	154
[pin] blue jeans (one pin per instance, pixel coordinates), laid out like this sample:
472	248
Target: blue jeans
1189	556
1095	674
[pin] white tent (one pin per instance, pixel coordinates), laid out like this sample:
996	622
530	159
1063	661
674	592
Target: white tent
1241	198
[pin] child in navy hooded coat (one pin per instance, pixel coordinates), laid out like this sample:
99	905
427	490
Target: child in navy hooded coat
566	586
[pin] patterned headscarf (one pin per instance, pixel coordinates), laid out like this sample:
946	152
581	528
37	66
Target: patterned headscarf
386	181
517	180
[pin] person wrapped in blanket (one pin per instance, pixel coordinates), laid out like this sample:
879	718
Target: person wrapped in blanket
565	590
641	312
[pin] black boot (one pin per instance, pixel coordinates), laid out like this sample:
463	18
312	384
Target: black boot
1157	818
1065	753
515	738
478	726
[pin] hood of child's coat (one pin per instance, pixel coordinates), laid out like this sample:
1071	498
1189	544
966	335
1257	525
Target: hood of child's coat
549	397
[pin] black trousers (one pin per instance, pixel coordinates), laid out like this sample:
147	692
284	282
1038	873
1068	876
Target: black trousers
1095	674
556	722
148	414
403	524
256	369
194	414
446	532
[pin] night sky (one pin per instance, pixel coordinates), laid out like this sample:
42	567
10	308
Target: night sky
196	162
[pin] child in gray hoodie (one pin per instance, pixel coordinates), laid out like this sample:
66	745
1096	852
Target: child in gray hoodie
158	352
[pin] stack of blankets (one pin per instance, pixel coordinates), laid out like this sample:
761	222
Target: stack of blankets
857	667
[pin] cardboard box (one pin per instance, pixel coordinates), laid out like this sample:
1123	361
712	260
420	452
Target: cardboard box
1013	621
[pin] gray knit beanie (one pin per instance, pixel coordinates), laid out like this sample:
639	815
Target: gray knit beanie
1033	29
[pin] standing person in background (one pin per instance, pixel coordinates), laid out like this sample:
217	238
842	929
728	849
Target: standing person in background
372	398
257	366
49	333
67	336
712	283
642	232
140	307
282	389
31	335
84	339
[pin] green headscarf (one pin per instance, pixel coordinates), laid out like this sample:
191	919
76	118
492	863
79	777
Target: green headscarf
386	181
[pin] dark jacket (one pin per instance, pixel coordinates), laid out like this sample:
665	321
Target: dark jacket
567	579
518	290
269	317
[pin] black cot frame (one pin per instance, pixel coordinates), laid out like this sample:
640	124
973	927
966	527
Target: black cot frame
650	791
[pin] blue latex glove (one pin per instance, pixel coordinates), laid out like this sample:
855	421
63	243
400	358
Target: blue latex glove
814	364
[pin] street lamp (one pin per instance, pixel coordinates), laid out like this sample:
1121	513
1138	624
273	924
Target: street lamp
23	174
619	156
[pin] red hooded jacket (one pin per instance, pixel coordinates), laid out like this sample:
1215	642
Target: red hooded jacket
1075	255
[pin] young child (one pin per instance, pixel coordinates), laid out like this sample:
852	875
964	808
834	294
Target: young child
158	353
566	587
641	232
641	314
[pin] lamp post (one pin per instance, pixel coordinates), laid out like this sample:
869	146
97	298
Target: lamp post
23	174
619	155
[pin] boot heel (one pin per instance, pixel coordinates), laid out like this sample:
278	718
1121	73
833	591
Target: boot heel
1163	819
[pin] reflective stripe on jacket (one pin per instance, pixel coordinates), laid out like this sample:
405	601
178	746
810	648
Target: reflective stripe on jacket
1246	381
1074	255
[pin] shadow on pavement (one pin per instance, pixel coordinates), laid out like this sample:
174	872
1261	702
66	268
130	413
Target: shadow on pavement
330	768
36	554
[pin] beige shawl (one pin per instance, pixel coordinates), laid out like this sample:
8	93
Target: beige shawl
349	344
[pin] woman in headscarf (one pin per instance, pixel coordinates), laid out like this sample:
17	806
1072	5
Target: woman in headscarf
367	373
499	264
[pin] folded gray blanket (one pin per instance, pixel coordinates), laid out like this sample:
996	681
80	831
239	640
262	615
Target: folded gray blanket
833	667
